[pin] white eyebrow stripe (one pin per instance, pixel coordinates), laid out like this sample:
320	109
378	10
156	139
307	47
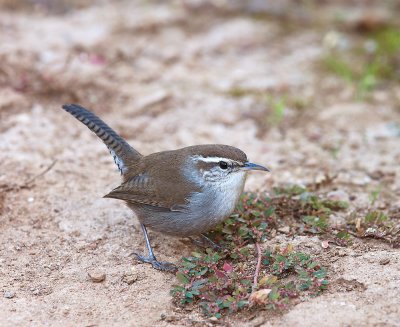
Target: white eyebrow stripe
214	159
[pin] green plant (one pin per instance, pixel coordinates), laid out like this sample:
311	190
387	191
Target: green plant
226	281
375	218
304	211
374	195
278	106
371	60
376	224
221	285
241	276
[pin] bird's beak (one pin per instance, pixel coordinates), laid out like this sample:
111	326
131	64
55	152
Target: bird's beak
252	166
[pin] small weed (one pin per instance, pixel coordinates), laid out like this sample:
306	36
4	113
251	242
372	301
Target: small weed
371	219
375	218
222	285
277	108
277	113
228	280
222	282
372	60
374	195
290	191
375	224
306	212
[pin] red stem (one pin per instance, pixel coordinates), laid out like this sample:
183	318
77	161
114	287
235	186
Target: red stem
258	266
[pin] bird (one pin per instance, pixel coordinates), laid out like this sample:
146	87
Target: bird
183	192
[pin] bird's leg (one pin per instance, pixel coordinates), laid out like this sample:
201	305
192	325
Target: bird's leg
205	242
151	258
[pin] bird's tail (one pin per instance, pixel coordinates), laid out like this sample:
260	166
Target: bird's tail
121	151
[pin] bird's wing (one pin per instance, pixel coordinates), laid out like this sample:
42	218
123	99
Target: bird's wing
142	189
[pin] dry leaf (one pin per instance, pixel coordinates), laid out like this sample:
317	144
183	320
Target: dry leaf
259	297
325	244
358	224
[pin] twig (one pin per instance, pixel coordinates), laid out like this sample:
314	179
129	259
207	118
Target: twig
26	185
41	174
258	266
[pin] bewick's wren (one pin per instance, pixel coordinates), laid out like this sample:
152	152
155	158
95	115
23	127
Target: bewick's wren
183	192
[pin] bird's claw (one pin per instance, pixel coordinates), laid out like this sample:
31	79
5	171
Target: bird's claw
159	265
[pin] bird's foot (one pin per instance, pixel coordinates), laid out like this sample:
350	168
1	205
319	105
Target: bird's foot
164	266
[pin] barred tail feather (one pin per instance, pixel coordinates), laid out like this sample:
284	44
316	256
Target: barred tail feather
121	151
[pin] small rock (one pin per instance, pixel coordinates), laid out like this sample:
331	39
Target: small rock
376	174
129	278
163	316
9	294
284	230
96	276
325	244
256	322
320	178
171	318
213	320
338	195
66	310
36	291
384	261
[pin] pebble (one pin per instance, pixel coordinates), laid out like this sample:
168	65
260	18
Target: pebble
129	278
384	261
325	244
96	276
258	321
338	195
284	230
171	318
9	294
213	320
35	291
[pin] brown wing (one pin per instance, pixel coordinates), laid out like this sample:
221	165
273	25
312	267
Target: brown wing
158	183
138	189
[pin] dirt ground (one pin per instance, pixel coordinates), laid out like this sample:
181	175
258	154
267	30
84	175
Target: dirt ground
167	76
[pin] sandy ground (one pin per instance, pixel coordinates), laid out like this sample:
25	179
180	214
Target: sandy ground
163	76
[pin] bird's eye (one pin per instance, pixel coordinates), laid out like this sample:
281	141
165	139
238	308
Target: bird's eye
223	165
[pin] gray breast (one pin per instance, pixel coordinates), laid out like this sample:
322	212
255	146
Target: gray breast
204	210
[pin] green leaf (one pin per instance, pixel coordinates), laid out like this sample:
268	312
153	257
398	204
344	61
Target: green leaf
188	294
184	279
197	255
227	230
274	294
243	231
199	283
321	273
202	271
176	290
